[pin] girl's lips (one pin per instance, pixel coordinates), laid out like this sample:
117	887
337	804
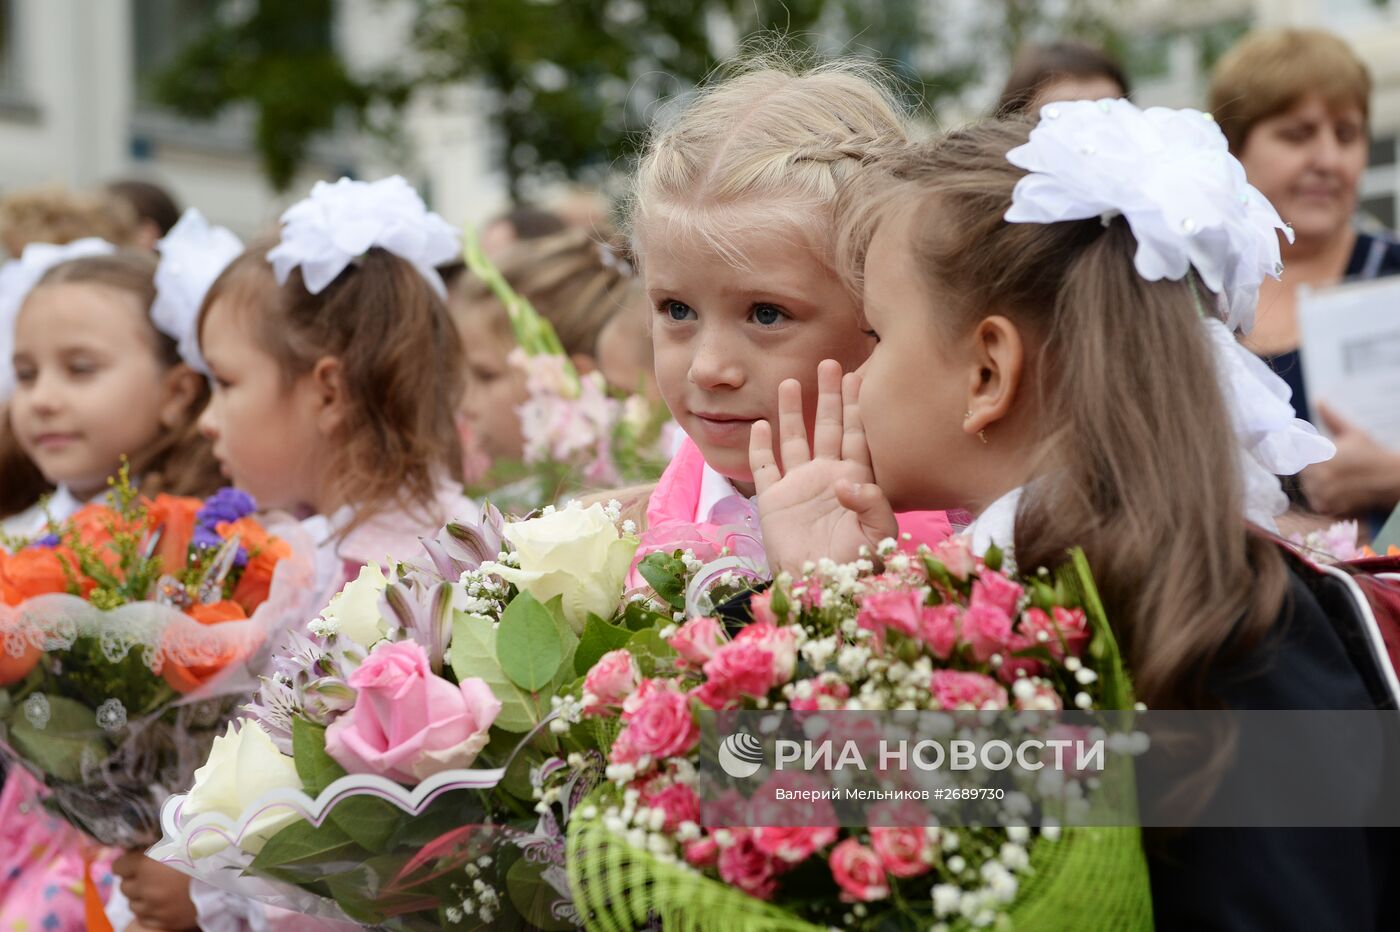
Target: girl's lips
723	428
51	440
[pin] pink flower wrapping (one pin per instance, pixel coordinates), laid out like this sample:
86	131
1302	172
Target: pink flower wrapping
408	723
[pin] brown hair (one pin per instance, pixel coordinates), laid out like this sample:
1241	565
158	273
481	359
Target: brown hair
576	281
181	461
150	201
1123	363
400	357
1268	73
1037	66
53	215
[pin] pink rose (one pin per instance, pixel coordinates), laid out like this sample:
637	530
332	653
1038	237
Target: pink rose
778	640
995	589
677	800
956	555
1012	667
739	668
1074	625
793	843
900	609
858	872
829	687
702	852
1036	628
697	640
613	678
747	867
939	628
987	630
761	608
658	724
954	689
407	723
902	851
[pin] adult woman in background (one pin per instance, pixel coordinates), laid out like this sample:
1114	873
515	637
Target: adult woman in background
1295	107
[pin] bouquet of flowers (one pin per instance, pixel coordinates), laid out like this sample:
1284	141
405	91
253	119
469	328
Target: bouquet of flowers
942	631
127	635
406	764
579	433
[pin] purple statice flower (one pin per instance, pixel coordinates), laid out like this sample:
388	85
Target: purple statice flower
48	541
226	505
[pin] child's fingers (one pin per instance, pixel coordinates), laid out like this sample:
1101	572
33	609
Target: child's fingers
792	426
826	435
871	507
854	448
761	462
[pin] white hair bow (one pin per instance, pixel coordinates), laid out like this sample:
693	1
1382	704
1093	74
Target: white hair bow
1170	175
18	277
192	255
338	223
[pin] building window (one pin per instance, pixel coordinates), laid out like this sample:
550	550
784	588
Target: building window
161	30
11	74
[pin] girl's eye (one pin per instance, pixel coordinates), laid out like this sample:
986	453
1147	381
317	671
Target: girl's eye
678	311
81	368
25	375
766	315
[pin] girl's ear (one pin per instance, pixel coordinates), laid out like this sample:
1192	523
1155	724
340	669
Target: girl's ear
995	380
330	394
179	390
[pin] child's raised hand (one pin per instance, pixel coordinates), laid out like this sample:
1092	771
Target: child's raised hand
823	501
159	896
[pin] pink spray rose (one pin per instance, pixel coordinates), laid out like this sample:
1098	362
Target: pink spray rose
957	690
739	668
939	628
747	867
858	872
408	723
987	630
900	609
677	800
902	851
697	640
613	678
702	852
956	554
658	724
778	640
1074	625
996	589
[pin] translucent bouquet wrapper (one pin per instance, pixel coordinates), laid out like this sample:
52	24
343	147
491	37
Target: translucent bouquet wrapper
1078	878
113	709
400	767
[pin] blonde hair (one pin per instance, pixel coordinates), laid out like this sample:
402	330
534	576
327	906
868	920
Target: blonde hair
1122	362
576	280
1268	73
53	215
770	134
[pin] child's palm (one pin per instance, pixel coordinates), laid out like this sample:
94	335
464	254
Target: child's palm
825	504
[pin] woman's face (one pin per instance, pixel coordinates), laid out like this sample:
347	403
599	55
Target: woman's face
1308	162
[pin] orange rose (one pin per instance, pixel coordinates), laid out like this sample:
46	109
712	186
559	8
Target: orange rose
264	551
12	668
184	679
174	515
35	571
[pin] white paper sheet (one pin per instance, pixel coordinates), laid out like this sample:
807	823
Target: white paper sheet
1351	353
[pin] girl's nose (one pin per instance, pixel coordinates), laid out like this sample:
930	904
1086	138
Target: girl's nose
716	365
208	423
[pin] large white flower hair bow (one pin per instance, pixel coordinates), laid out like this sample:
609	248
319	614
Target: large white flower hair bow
1170	175
192	255
338	223
18	277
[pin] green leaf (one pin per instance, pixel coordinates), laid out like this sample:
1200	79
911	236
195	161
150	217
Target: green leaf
528	646
369	821
651	651
599	637
316	768
474	654
303	842
666	576
58	747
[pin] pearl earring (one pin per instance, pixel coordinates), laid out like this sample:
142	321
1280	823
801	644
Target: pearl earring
981	434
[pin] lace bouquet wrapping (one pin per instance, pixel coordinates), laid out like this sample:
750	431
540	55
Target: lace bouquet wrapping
579	432
943	631
403	764
127	635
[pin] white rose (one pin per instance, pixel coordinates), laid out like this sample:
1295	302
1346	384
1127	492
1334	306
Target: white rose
243	765
575	552
354	611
